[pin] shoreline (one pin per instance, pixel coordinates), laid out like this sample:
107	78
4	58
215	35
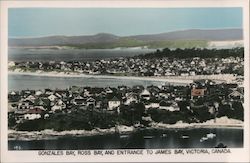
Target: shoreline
172	79
48	134
76	75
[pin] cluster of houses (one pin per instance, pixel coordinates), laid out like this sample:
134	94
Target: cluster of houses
35	104
142	67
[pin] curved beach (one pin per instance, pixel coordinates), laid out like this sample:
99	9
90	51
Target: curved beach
172	79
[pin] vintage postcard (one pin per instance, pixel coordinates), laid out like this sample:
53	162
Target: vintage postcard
115	81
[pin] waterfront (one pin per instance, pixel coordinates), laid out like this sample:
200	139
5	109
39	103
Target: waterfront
21	82
142	93
25	54
145	139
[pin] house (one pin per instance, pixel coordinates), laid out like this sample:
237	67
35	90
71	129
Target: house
91	102
61	92
19	114
25	104
164	94
147	104
46	116
11	64
154	105
31	98
198	92
145	94
137	88
236	95
39	102
34	113
154	90
170	106
12	107
58	95
148	118
98	104
38	93
87	93
108	90
113	103
12	93
192	73
14	97
26	93
60	105
122	89
178	99
32	116
52	97
48	91
79	101
130	98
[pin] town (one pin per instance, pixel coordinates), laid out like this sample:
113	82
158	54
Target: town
165	62
138	67
83	107
92	107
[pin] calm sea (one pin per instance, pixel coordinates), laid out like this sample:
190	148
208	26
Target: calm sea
22	54
232	138
21	82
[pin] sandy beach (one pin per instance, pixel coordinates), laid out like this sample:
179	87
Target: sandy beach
78	75
172	79
222	122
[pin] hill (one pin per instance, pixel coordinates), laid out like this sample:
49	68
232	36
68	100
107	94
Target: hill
184	39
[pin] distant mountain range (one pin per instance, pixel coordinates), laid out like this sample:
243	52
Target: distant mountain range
185	38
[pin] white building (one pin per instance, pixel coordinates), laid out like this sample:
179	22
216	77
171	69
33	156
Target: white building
11	64
145	94
60	105
52	97
169	106
113	103
32	116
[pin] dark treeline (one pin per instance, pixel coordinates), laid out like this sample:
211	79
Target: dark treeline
195	52
80	119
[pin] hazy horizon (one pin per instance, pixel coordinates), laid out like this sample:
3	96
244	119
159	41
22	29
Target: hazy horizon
42	22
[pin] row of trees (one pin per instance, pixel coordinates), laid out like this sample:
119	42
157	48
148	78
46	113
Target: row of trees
90	119
195	52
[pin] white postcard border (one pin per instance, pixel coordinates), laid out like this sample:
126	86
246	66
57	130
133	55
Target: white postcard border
237	155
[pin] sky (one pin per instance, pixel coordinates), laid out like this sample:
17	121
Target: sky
37	22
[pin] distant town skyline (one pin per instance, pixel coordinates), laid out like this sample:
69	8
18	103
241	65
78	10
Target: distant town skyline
37	22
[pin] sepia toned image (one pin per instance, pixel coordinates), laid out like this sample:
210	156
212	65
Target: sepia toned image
125	78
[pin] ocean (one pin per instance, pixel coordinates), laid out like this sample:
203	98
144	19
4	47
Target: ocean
147	139
21	82
22	54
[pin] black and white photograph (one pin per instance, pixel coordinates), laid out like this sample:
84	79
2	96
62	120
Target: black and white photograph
118	78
